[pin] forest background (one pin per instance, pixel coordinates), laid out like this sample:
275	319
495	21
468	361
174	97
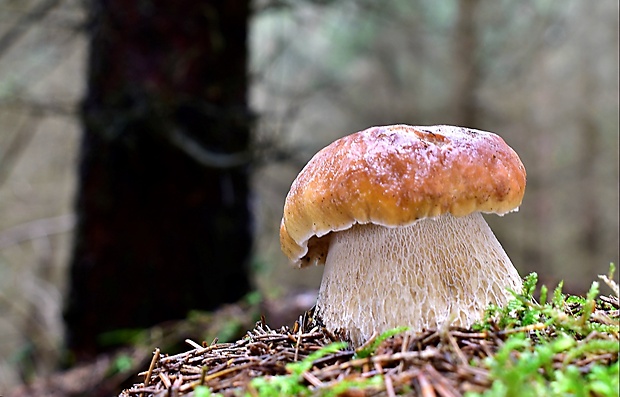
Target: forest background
541	73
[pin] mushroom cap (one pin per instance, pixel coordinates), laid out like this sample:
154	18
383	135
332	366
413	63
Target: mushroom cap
393	176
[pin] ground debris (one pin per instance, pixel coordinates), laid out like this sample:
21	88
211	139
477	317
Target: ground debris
445	362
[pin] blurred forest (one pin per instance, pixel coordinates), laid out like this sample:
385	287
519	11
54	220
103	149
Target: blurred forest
543	74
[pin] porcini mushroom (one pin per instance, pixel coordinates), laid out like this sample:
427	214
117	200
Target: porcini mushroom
394	214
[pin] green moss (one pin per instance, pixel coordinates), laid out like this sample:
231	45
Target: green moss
559	357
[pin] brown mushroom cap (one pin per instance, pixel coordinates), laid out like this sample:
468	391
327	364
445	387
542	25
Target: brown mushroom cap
393	176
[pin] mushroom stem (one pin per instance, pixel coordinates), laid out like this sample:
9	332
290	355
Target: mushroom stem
435	270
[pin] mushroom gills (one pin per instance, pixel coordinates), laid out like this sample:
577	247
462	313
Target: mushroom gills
435	270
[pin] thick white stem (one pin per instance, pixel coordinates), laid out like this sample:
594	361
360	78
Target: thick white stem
435	270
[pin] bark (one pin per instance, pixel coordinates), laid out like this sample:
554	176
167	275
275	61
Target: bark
163	220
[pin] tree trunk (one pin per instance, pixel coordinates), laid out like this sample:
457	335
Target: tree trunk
467	65
164	225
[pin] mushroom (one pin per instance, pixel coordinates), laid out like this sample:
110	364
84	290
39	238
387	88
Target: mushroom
394	214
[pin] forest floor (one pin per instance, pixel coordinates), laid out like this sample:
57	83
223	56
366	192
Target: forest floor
565	345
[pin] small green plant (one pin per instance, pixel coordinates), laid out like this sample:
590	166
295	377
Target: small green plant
291	384
204	391
374	382
369	349
122	363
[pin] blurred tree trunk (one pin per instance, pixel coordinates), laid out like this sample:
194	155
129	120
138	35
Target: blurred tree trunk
164	225
468	73
590	135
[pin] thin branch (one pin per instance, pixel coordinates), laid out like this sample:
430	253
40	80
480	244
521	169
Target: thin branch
22	25
18	144
36	229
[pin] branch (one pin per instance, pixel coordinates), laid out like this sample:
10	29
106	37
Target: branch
36	229
16	31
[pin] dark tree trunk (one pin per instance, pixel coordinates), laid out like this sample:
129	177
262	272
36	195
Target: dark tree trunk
164	225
